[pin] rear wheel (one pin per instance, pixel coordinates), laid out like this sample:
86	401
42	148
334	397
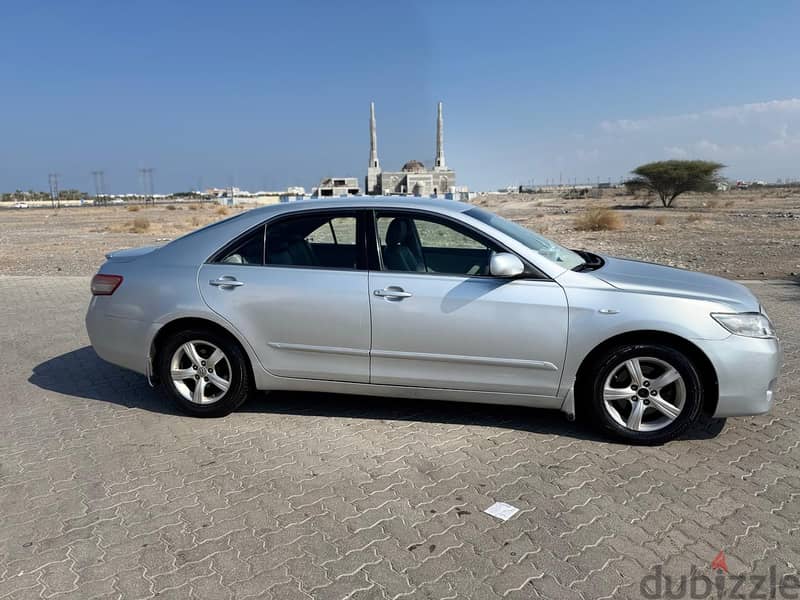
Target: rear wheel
204	372
645	393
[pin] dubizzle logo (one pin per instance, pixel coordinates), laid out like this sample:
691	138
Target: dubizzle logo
719	583
719	564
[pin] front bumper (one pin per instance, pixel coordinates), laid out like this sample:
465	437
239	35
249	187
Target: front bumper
747	372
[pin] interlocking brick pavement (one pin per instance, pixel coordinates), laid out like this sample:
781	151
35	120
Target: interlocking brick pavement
106	492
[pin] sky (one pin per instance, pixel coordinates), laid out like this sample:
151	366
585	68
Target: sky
263	95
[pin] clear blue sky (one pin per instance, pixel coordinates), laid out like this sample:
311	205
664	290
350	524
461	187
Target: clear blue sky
269	94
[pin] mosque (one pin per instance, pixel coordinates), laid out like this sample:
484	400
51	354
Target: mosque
414	179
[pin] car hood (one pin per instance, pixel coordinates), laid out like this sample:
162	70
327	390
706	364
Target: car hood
651	278
130	254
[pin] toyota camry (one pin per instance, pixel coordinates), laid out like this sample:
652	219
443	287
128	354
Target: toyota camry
424	298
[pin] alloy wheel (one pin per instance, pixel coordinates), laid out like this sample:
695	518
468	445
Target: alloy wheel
644	394
200	372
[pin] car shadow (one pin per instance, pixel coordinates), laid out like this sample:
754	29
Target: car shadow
81	373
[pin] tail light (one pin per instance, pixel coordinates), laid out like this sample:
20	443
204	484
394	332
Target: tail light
105	285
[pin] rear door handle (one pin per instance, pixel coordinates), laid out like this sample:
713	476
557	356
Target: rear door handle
222	282
392	292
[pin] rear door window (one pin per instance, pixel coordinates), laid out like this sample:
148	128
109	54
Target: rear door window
321	240
248	251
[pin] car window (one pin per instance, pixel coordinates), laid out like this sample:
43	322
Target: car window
313	240
423	245
341	230
436	235
249	251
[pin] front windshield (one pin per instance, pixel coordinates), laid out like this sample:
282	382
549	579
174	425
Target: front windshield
539	244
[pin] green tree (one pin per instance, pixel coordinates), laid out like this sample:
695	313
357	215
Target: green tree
671	178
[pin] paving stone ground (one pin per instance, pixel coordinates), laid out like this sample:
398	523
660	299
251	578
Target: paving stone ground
107	492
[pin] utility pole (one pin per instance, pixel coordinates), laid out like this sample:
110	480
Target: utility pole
146	174
53	181
99	187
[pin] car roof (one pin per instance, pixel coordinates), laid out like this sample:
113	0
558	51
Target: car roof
415	202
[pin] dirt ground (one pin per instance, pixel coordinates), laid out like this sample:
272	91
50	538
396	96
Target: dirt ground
747	234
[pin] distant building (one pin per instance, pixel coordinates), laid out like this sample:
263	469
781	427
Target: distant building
333	187
288	197
413	179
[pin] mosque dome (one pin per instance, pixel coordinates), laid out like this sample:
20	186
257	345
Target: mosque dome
413	166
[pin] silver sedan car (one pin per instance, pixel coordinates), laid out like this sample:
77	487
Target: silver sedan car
422	298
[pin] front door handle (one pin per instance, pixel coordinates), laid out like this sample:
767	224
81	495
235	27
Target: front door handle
223	282
393	292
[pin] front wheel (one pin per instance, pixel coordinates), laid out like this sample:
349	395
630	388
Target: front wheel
645	393
204	372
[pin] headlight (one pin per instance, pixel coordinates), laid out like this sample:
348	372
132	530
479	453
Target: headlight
748	324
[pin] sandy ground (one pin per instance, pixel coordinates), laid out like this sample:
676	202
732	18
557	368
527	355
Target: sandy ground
752	234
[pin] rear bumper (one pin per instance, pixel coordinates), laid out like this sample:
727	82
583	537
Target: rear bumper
118	340
747	372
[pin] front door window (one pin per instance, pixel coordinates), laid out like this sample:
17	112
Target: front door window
419	244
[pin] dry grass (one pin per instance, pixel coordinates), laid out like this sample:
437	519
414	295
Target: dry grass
134	208
660	220
140	225
221	210
195	221
193	207
711	203
694	218
598	219
729	203
170	207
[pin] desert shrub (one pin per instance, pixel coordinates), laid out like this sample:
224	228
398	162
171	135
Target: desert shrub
598	219
694	218
729	203
711	203
170	207
195	221
134	208
193	207
140	225
660	220
221	210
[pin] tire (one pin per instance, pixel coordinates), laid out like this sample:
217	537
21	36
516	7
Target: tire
665	402
222	375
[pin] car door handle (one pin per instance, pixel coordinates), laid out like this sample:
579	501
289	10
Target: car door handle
392	292
222	282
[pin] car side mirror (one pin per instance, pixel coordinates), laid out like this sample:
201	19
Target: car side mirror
505	264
